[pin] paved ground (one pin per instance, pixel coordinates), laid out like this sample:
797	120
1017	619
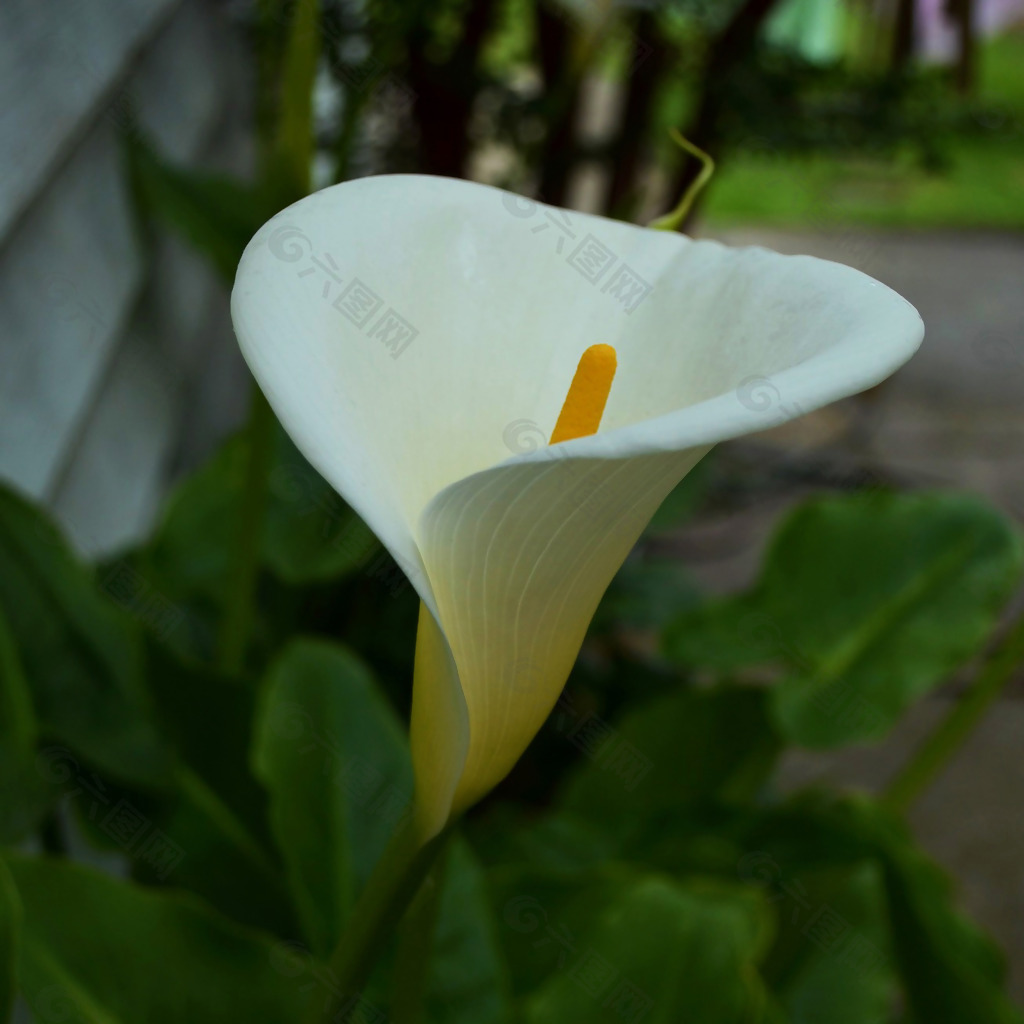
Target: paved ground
953	417
956	411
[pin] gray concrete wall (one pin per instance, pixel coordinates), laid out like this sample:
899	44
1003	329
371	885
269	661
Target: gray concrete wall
117	364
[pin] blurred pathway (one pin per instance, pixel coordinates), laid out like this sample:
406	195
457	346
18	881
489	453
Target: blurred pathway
956	411
953	417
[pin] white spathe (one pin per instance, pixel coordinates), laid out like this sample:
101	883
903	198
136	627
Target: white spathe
417	336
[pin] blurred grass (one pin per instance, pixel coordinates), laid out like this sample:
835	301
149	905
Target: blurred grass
982	186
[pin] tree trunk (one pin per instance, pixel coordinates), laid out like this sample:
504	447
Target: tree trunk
554	44
647	61
962	12
733	45
444	94
904	36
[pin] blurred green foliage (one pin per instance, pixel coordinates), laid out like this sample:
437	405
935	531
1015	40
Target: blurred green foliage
959	164
655	870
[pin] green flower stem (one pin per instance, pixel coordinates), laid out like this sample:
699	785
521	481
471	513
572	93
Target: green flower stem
933	755
415	943
391	888
674	220
248	531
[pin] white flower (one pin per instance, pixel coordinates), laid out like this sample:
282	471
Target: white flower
417	336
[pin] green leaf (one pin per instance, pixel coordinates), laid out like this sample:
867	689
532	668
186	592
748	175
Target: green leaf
508	834
331	753
80	654
950	972
724	635
23	796
468	981
189	550
831	959
645	594
10	935
214	745
855	983
218	816
664	952
687	747
866	602
542	911
217	215
309	535
684	499
109	952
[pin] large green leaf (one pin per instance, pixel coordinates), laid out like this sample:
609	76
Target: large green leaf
684	499
10	933
854	981
645	594
331	754
679	749
865	603
309	534
213	745
218	841
217	215
105	951
468	981
950	972
81	654
506	834
23	794
663	952
542	911
831	959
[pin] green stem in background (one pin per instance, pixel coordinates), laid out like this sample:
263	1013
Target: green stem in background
674	220
415	943
246	536
266	60
354	103
932	756
295	140
289	156
390	889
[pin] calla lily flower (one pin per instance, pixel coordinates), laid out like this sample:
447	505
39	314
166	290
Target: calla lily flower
418	338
